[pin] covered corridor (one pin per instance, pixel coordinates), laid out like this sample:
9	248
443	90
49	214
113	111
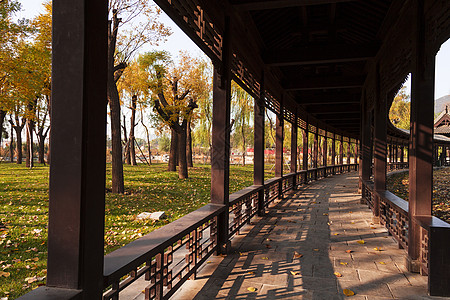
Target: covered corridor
330	68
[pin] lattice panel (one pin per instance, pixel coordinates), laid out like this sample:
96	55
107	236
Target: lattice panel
424	251
312	128
289	116
240	71
301	123
395	221
272	104
242	211
195	17
322	132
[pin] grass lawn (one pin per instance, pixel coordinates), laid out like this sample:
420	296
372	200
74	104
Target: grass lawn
399	185
24	208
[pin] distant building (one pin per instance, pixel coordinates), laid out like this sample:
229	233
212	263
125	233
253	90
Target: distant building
442	123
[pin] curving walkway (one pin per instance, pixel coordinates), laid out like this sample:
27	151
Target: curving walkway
294	251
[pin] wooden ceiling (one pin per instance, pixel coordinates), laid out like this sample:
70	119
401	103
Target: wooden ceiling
318	50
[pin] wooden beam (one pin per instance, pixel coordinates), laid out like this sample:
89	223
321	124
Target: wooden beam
330	82
320	55
274	4
330	109
328	98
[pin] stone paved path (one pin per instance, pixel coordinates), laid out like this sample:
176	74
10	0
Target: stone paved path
326	225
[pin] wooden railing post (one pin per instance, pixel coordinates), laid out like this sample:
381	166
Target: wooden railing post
220	158
333	153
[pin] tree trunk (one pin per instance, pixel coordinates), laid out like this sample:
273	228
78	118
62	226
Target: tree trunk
132	125
127	143
30	155
173	154
2	120
189	146
114	106
182	161
148	140
18	130
11	145
244	148
41	150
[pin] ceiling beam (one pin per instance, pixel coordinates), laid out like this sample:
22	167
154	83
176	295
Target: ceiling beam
330	82
244	5
320	55
328	99
331	109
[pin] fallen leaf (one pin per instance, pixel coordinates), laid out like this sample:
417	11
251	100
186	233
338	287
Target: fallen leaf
336	234
349	251
325	214
361	242
251	289
295	273
268	246
377	249
208	262
265	257
337	274
348	292
350	212
373	227
382	263
297	255
251	272
316	249
4	274
344	263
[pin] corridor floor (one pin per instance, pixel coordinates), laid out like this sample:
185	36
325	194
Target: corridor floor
314	244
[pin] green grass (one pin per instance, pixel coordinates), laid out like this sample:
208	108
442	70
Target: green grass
399	185
24	212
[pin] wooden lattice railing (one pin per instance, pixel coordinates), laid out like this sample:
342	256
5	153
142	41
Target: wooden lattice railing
434	233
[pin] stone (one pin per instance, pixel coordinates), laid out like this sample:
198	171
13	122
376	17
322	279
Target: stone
158	215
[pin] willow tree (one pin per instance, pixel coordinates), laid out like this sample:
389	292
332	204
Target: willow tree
242	114
134	33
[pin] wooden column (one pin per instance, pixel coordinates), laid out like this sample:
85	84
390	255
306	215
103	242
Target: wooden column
421	138
305	147
220	158
349	151
294	132
402	153
316	153
341	151
279	145
78	142
258	159
325	150
333	152
380	145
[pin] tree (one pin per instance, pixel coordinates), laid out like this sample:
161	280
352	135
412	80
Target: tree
400	109
121	48
10	34
242	114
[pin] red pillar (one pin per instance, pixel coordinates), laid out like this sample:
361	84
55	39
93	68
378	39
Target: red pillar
294	132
